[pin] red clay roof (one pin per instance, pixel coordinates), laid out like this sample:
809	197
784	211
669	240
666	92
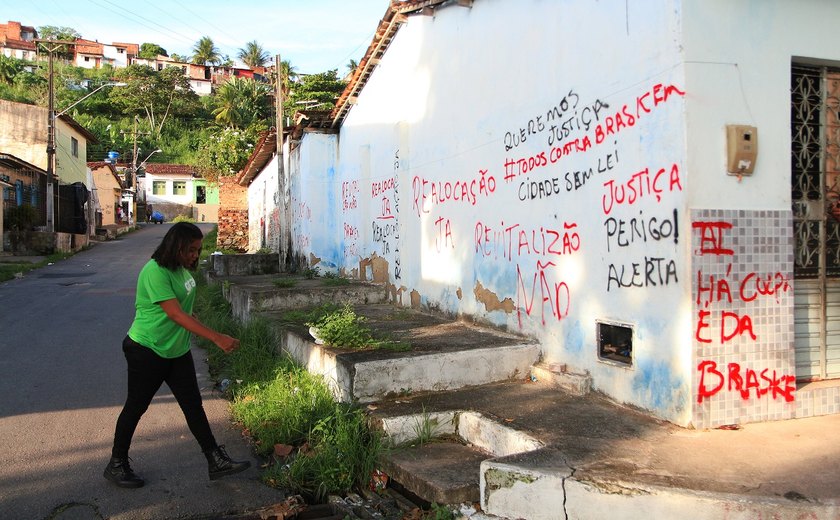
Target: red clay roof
88	47
262	154
130	48
170	169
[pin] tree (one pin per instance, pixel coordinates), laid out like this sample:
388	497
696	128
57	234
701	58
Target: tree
243	103
154	95
150	51
225	153
253	55
52	32
205	52
315	91
177	58
9	68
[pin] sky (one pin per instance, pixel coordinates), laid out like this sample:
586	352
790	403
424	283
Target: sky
314	35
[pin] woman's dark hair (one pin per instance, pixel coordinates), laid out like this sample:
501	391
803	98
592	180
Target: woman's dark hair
176	240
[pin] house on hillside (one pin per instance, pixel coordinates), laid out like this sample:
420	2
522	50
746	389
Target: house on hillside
177	189
91	54
200	76
108	188
647	189
18	41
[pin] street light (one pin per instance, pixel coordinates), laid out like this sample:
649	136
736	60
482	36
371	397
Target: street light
143	162
51	117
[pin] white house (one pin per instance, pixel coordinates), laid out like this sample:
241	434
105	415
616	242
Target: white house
177	189
615	179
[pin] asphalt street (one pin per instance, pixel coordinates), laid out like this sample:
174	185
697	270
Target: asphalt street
62	385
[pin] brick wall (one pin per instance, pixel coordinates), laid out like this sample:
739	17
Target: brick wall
233	215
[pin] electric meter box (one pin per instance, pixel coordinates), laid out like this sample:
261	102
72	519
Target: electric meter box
741	149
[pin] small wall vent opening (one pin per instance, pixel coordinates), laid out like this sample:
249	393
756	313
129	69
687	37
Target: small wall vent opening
615	342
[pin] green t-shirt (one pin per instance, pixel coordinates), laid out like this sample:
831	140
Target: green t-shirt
152	327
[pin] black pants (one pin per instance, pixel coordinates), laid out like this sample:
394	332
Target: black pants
146	373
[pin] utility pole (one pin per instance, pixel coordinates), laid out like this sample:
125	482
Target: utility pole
284	212
131	175
51	176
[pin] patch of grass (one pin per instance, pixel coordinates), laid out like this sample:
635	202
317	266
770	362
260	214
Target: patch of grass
285	283
278	402
9	270
335	281
310	273
341	454
183	218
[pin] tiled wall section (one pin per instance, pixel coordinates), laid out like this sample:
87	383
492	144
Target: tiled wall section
761	247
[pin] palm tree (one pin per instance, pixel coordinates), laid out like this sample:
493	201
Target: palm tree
205	51
243	103
352	65
287	73
253	55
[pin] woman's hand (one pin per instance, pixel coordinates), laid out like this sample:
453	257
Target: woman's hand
227	343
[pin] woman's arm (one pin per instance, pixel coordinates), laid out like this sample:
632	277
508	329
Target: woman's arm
175	313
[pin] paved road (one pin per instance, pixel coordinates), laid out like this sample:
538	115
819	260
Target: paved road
62	385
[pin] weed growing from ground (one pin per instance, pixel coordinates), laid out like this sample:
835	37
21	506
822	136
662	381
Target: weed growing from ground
285	283
424	428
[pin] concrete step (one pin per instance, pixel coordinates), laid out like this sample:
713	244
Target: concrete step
281	292
439	472
444	355
441	453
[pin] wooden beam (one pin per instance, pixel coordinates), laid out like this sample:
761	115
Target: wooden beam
465	3
426	11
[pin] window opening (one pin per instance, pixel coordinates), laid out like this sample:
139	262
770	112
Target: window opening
615	342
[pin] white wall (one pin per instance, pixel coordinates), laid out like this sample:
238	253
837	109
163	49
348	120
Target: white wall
448	106
113	56
459	105
169	196
263	210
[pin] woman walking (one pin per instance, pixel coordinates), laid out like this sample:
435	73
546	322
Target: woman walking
157	350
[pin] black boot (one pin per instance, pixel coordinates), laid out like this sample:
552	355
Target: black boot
119	472
219	463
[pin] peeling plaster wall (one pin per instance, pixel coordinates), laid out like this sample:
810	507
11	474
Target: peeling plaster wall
526	163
